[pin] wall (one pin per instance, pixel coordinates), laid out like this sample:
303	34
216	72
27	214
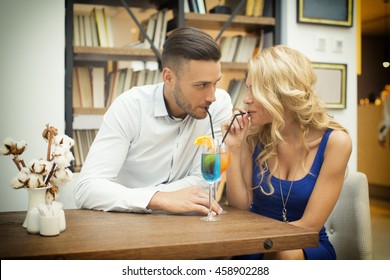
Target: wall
32	82
374	76
373	160
303	38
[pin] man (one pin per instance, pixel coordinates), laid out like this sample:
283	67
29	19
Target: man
144	157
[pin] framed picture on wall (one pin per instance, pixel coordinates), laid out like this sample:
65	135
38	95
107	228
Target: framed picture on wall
329	12
331	84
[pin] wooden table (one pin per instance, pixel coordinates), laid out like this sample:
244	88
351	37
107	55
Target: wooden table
107	235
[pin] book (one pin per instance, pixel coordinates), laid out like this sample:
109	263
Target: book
121	82
101	27
113	83
98	87
157	32
87	30
85	86
75	90
163	28
193	6
250	4
76	151
201	6
110	34
141	77
225	46
232	49
76	31
81	30
258	8
78	142
128	79
95	39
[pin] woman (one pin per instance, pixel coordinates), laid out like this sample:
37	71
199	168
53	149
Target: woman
288	156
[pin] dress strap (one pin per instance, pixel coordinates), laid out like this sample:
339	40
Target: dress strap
319	158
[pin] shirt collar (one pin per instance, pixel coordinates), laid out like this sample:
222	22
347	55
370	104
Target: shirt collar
160	108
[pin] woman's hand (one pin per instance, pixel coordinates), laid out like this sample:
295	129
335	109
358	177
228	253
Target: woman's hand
237	132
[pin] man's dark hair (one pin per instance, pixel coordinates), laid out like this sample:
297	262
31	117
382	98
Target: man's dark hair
188	43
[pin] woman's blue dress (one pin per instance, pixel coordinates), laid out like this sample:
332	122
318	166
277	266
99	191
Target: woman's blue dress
271	206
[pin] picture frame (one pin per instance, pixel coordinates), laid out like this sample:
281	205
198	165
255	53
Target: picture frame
331	84
328	12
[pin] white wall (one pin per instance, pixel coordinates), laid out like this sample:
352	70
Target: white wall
32	66
303	38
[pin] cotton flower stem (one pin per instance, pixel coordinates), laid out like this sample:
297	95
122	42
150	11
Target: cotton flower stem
49	145
47	180
22	162
16	161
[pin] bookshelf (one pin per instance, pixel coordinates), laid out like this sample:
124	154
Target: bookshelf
109	57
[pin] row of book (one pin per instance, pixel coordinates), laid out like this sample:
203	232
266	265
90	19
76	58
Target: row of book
124	79
90	89
195	6
155	28
251	7
254	8
93	30
240	48
83	139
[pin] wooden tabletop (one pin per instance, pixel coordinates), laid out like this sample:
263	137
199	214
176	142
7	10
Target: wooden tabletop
108	235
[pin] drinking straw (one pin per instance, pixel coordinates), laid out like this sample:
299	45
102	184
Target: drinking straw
211	123
231	123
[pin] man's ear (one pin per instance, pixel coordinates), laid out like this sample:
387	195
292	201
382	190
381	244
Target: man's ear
168	76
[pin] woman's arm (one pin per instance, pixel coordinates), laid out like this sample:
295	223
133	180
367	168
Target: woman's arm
329	183
238	175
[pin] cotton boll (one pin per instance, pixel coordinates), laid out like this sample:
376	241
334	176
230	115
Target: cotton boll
4	151
61	176
36	181
16	184
24	175
36	166
48	166
8	141
21	146
63	140
49	130
60	158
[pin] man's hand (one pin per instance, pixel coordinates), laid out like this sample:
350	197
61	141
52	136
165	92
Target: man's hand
187	200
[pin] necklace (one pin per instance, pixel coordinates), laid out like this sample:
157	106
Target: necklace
284	202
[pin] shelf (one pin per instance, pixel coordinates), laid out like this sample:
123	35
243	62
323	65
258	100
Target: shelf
89	111
104	54
145	4
239	23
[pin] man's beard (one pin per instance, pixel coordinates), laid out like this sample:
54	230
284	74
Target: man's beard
183	104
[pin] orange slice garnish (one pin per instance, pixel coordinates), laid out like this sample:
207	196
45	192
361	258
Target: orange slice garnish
204	140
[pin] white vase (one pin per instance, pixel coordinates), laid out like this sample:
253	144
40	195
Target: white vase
36	197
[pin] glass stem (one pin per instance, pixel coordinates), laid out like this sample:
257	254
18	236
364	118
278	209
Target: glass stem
215	189
210	194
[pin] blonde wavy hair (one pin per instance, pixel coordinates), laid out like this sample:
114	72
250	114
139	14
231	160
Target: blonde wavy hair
283	81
